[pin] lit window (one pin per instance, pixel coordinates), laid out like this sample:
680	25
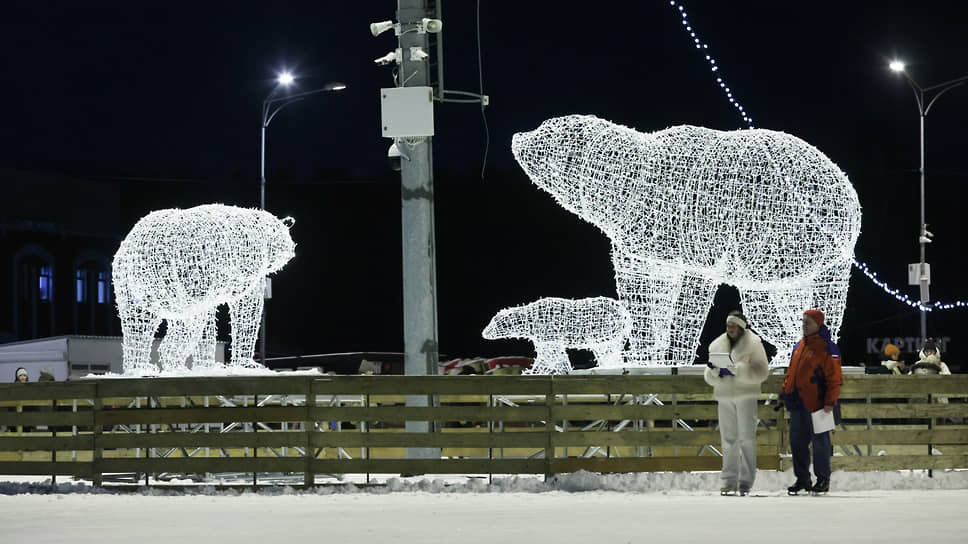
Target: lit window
46	285
80	283
103	287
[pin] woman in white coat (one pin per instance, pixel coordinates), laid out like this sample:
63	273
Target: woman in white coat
737	388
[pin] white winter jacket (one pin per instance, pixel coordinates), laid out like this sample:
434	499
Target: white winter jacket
750	367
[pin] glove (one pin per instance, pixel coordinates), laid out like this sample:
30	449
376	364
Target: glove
725	372
710	365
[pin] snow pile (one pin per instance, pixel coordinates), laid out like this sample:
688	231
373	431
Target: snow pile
577	482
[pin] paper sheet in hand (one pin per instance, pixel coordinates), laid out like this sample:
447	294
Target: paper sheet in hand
822	421
721	360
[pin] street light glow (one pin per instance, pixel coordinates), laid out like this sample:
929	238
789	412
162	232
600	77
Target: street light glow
335	86
897	66
285	78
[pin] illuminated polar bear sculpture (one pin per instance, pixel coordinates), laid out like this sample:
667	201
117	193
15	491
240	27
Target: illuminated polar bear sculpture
688	208
598	324
179	266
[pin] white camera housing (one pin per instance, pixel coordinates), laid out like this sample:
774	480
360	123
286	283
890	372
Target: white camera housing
394	155
379	28
418	54
432	26
392	56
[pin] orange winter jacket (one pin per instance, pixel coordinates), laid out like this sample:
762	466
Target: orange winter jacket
814	377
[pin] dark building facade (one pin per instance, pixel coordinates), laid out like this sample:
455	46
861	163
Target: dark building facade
58	235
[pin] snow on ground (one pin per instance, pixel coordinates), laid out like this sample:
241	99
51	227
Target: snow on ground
904	507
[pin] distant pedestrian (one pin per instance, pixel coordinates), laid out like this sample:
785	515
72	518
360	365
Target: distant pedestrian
736	387
812	384
21	376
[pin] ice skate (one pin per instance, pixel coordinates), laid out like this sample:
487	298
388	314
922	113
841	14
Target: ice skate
822	486
727	490
744	490
798	486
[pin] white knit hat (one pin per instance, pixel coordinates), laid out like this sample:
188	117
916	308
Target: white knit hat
21	372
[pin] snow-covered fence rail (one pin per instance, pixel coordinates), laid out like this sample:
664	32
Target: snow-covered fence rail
97	429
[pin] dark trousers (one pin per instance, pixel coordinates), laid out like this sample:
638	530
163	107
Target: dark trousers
801	437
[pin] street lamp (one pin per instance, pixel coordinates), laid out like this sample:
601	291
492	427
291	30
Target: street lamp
270	107
924	237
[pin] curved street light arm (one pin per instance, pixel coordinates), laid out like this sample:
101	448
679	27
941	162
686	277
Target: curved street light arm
954	84
267	115
918	93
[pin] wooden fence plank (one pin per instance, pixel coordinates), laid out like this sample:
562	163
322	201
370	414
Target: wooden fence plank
898	462
46	443
43	468
430	466
203	464
881	437
653	438
47	417
46	391
430	440
439	413
130	416
902	411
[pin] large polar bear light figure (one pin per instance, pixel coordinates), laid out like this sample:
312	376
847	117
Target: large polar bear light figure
180	266
688	208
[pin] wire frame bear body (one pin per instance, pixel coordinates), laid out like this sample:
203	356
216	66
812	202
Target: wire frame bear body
600	325
180	266
689	208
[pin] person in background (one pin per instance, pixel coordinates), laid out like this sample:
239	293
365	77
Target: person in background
812	383
737	389
930	360
21	376
893	361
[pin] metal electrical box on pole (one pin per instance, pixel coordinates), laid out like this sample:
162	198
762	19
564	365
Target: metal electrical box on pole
407	116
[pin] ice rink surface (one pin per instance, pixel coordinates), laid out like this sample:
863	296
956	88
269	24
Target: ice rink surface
572	509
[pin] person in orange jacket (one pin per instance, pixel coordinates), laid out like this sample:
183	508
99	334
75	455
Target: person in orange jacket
812	383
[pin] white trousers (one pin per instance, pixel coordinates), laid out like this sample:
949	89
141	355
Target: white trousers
737	430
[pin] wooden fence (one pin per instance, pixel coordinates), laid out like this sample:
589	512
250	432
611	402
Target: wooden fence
92	429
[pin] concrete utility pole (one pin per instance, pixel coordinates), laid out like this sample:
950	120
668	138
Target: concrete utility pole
417	216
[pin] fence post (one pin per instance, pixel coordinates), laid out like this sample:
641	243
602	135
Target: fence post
549	427
97	452
309	477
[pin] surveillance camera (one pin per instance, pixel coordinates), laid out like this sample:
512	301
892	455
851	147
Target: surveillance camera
392	56
394	155
379	28
432	26
418	54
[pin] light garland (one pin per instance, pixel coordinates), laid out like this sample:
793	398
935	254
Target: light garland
689	208
896	293
687	27
180	266
553	325
704	48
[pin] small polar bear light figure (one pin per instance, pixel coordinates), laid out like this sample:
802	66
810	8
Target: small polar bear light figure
600	325
180	266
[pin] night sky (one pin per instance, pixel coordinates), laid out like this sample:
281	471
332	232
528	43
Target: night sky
172	91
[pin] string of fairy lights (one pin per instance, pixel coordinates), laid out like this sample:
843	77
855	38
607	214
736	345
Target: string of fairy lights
703	48
713	67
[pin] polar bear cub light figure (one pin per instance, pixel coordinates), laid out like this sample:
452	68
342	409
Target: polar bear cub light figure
688	208
600	325
180	266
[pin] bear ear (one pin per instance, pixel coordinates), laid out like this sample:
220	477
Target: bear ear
288	222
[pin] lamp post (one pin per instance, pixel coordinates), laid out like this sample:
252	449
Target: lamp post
270	107
923	94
